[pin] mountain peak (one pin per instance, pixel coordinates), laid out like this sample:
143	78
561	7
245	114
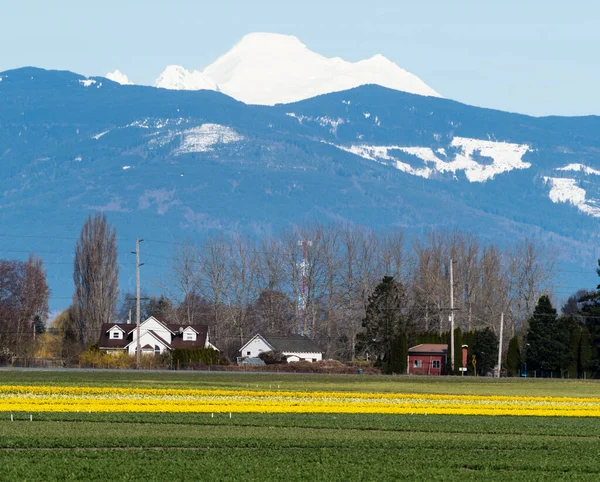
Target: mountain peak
268	40
118	77
176	77
271	68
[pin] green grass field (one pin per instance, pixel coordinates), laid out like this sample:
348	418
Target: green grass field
382	384
83	446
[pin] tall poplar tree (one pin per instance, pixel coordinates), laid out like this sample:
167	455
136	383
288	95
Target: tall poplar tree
95	275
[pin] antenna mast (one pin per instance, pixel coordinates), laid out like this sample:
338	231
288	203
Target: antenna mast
303	298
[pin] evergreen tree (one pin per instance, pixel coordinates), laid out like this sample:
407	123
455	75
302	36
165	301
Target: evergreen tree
159	307
513	357
458	342
575	348
485	349
590	310
548	344
384	322
585	352
40	326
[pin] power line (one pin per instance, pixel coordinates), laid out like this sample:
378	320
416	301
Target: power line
36	236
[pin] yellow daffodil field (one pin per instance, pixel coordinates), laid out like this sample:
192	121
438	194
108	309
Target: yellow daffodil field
21	398
126	425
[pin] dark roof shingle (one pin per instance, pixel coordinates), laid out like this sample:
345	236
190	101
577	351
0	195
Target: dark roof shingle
294	343
429	348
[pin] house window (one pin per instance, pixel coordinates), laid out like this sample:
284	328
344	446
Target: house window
435	364
189	336
115	335
248	353
417	363
156	350
314	359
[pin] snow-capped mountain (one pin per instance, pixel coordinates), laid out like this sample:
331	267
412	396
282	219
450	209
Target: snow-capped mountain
268	69
175	77
118	77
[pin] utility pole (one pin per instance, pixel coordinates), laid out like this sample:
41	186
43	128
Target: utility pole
451	317
500	343
138	304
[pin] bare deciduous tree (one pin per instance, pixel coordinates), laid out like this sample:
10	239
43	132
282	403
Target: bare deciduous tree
24	297
95	275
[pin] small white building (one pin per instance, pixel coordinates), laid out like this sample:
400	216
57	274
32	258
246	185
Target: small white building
294	347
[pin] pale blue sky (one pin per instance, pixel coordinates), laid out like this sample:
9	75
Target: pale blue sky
532	56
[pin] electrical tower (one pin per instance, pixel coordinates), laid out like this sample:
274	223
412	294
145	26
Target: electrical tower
303	297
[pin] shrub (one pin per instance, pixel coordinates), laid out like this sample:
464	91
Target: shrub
513	357
203	356
272	357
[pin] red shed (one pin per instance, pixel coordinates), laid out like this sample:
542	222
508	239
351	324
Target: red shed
427	359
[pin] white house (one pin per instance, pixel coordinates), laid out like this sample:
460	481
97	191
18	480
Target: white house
156	337
294	347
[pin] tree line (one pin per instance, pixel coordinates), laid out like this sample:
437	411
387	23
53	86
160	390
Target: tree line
240	286
324	289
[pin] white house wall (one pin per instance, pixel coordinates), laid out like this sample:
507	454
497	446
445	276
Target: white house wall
151	324
146	339
297	356
255	347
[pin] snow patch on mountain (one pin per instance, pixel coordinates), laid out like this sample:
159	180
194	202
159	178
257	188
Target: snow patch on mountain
323	121
268	69
177	78
118	77
87	82
504	156
158	123
566	190
579	168
98	136
204	137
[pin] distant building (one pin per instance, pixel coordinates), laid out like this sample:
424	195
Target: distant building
427	359
250	361
294	347
156	337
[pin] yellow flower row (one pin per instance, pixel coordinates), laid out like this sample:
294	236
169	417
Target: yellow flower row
201	406
30	390
72	399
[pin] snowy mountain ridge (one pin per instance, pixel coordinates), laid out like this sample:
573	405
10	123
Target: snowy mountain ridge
269	69
176	164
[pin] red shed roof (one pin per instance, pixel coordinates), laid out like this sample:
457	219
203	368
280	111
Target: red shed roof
429	348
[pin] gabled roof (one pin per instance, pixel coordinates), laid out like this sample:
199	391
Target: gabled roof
106	342
157	320
155	336
179	342
290	343
114	325
429	348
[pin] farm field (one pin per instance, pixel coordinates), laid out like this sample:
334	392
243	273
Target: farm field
118	445
240	380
